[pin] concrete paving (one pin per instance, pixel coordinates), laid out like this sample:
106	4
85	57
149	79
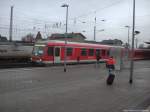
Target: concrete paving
81	89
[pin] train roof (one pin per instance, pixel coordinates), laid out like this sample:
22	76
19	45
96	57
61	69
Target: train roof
139	49
16	43
77	44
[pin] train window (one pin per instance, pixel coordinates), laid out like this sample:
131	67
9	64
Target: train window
69	51
97	52
108	53
50	51
103	52
83	52
38	50
91	52
57	51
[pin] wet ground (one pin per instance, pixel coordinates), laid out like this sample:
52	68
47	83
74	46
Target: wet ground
81	89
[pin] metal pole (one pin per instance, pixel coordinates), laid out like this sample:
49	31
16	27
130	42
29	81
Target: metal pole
128	41
128	36
128	27
65	55
95	30
132	50
11	24
67	20
136	40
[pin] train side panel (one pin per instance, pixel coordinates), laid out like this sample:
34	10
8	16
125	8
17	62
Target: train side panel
54	52
17	51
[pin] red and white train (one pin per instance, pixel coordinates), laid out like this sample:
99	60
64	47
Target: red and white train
51	52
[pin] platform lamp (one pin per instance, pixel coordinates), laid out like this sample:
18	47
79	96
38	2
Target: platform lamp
136	39
65	5
136	32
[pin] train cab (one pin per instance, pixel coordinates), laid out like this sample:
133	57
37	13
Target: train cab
38	53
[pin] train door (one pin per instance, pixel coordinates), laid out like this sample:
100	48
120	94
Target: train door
103	53
98	57
57	55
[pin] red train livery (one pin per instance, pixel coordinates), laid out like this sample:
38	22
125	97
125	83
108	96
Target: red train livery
50	52
141	54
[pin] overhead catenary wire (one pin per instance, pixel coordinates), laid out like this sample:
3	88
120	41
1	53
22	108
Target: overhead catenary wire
38	21
98	10
35	23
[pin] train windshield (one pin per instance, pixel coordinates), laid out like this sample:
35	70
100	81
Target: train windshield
38	50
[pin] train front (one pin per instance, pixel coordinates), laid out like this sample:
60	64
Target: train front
38	54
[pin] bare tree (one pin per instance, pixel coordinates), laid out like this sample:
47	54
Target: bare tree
28	38
38	36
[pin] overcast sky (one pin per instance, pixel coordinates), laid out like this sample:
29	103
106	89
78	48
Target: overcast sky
49	17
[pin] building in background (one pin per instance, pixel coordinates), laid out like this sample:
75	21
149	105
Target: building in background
38	36
30	38
79	37
112	42
3	39
73	37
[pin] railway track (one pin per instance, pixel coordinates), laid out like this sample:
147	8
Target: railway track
17	65
5	65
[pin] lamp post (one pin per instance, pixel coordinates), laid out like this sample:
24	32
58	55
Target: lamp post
11	24
65	5
132	49
128	35
100	31
95	29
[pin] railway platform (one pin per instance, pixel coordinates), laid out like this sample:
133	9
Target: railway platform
81	89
